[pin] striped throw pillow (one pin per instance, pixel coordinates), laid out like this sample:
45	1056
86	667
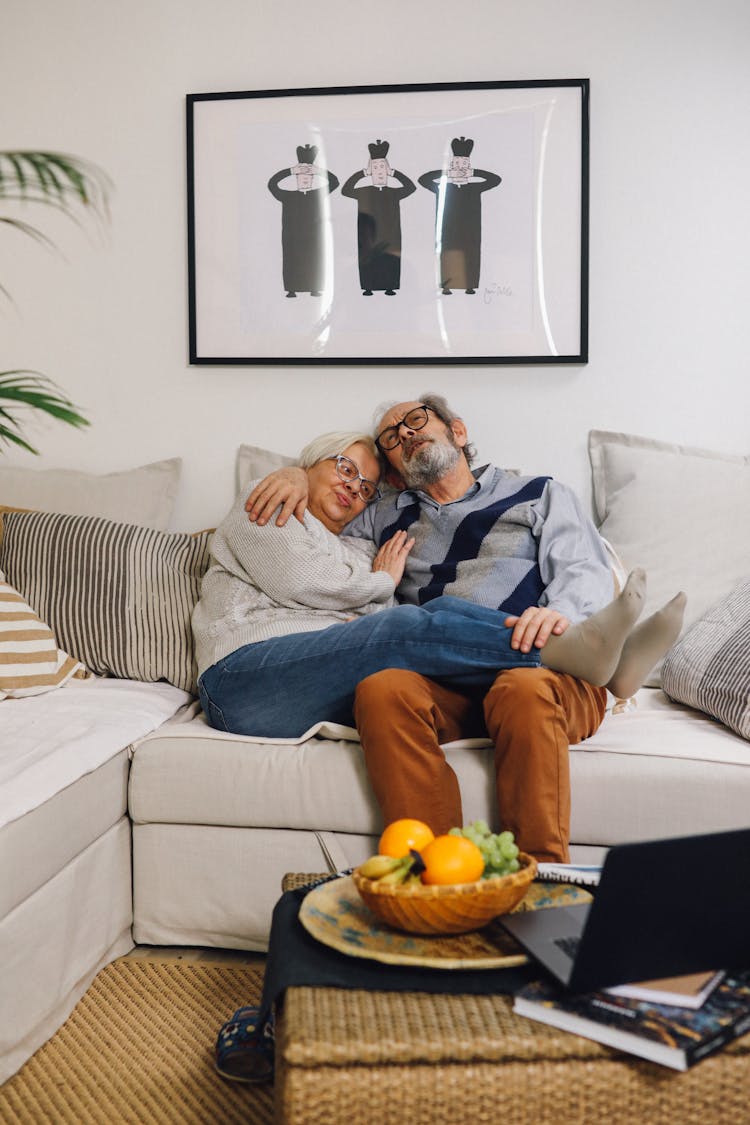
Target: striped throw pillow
30	661
709	668
118	596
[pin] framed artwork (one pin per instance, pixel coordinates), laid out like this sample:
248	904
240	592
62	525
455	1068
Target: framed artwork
442	223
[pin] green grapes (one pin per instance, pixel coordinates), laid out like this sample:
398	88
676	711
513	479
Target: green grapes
500	852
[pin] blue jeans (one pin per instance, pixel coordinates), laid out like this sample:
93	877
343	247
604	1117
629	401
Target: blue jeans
281	687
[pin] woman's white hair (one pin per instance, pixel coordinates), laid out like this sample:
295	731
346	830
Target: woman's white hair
331	445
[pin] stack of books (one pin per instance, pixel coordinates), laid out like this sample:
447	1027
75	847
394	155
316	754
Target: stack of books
675	1022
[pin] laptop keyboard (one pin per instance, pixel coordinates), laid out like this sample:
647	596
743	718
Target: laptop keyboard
568	945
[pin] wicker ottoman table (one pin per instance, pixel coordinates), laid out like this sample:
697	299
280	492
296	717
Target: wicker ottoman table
358	1057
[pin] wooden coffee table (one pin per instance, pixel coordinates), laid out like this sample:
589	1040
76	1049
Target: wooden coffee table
405	1058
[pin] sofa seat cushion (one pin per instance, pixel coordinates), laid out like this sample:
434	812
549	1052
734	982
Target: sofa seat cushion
189	773
48	742
63	773
35	847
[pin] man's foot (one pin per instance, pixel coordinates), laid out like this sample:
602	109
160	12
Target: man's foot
367	292
645	647
447	292
471	290
591	650
291	293
390	292
314	292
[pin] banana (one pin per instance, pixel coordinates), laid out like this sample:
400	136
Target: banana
399	874
378	866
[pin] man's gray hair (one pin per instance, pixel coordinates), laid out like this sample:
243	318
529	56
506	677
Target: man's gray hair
438	405
332	444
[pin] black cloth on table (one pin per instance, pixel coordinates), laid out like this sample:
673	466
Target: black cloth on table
296	958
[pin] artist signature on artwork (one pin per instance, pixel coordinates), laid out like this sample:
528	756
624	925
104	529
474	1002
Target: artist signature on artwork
496	289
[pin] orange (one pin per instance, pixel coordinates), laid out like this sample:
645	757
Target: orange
452	859
401	835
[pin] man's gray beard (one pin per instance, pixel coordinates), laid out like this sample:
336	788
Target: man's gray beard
430	464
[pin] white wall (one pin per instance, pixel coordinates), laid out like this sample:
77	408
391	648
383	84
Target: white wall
670	226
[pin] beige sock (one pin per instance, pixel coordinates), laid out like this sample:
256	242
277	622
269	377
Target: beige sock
592	650
645	647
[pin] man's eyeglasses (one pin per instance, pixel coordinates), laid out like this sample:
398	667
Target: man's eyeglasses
348	471
416	418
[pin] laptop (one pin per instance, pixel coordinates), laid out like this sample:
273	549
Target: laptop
661	908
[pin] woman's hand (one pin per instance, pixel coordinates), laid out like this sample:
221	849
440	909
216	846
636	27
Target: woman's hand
392	556
534	627
287	487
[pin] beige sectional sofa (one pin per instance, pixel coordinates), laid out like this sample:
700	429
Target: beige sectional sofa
216	820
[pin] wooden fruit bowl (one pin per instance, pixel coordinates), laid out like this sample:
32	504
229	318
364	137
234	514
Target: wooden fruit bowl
454	909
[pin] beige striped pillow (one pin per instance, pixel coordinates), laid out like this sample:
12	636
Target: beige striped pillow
30	661
709	667
118	596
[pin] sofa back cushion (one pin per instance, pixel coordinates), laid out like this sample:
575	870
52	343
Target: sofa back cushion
145	495
117	596
680	512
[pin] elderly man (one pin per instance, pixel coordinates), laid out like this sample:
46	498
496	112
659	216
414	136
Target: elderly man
519	544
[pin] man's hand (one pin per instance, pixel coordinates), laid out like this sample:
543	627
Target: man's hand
534	627
392	556
287	487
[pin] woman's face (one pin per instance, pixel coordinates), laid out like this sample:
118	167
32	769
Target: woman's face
335	501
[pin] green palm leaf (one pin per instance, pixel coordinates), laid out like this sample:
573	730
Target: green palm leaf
30	390
56	179
75	187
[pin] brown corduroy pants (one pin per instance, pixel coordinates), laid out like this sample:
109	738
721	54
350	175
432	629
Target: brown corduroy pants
531	714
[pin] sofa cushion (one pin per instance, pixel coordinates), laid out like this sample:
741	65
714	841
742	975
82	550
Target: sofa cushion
30	661
254	462
117	596
678	511
709	668
145	495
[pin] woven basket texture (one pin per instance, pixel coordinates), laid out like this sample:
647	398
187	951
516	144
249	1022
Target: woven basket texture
378	1058
421	909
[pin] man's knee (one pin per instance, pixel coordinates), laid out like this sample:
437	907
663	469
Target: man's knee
391	687
520	690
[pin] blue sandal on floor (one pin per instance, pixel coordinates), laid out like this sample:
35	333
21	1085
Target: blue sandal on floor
244	1047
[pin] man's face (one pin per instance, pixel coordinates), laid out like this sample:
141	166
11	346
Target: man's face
304	177
460	167
425	455
379	171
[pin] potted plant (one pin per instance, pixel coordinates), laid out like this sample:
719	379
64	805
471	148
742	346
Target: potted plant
72	186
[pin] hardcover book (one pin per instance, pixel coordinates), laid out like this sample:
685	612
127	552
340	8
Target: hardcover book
675	1037
689	991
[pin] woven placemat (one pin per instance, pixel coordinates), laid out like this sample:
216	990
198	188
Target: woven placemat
139	1047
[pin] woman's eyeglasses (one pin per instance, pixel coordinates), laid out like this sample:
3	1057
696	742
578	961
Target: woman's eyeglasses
348	471
389	438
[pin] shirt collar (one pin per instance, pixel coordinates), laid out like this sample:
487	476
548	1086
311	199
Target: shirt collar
483	477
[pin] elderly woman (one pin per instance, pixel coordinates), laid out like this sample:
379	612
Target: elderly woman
290	619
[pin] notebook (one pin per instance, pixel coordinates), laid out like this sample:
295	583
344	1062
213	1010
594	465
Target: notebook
661	908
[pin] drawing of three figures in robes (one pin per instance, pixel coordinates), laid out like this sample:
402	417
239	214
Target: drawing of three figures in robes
458	222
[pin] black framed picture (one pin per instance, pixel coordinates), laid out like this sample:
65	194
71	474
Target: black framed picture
442	223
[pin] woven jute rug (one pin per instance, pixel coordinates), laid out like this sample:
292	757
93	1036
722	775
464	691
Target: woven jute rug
138	1047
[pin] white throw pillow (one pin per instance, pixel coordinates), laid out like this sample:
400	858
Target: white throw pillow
680	512
145	496
254	462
